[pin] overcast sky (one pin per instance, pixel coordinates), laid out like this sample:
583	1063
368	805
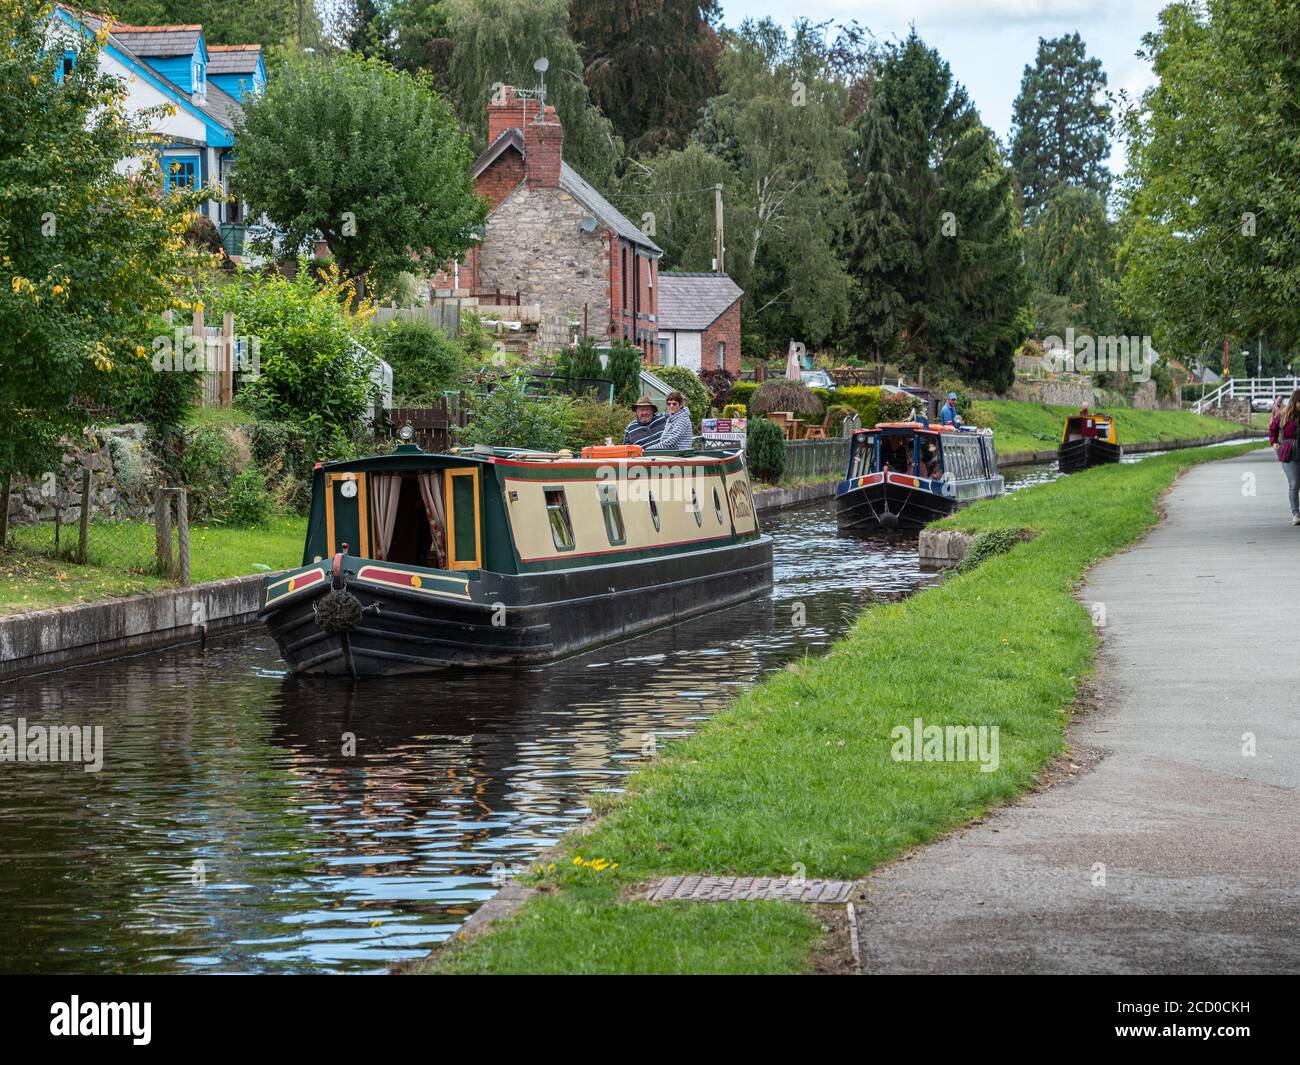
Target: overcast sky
989	42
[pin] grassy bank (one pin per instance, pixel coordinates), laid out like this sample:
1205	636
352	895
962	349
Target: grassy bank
1037	426
120	555
799	772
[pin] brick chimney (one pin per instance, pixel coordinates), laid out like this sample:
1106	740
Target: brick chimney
509	113
543	148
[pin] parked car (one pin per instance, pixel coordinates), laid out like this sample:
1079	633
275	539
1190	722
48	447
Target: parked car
817	379
1261	403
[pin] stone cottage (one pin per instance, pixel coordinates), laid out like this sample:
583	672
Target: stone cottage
699	321
553	239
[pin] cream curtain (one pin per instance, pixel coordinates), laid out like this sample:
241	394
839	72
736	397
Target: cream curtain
385	491
431	491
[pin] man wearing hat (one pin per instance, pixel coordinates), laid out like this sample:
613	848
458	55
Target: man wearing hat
648	426
948	412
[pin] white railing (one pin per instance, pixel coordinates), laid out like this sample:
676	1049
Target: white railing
1248	387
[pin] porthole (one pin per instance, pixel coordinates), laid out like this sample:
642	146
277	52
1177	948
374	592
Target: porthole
654	510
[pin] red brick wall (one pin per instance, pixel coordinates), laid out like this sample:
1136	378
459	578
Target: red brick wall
725	328
543	149
501	178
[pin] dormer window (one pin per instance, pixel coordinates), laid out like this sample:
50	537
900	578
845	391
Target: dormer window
198	76
66	66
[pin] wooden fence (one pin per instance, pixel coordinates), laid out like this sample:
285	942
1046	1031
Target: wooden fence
432	425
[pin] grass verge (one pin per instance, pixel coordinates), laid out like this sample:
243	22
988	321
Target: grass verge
798	773
120	556
1037	426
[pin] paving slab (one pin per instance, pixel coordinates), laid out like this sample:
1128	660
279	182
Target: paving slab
1179	851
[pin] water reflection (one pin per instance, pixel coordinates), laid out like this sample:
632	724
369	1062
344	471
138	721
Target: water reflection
249	821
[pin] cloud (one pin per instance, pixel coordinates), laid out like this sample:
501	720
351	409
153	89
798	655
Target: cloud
1006	12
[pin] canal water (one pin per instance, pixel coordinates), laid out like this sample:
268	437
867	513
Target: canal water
245	821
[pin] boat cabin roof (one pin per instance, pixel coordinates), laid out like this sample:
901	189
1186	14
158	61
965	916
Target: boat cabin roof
893	428
412	457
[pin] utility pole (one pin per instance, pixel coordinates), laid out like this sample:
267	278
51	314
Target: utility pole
718	246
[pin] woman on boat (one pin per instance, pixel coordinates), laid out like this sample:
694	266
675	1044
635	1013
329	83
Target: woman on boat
678	433
1283	435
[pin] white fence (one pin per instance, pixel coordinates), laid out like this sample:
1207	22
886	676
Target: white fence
1249	387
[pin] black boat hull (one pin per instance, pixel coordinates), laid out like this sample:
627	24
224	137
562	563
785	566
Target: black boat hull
505	620
1080	454
883	507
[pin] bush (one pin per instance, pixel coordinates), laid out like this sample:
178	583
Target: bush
683	379
311	372
733	410
963	396
898	406
426	362
248	502
624	370
781	394
590	421
508	417
283	452
163	397
837	413
719	383
864	400
765	451
989	543
741	393
978	414
210	461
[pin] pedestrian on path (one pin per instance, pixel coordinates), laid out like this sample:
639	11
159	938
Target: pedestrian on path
1284	435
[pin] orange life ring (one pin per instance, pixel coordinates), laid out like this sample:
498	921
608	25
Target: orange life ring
613	451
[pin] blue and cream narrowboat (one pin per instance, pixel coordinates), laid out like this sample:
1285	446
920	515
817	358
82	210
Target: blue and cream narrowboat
417	561
906	474
1088	440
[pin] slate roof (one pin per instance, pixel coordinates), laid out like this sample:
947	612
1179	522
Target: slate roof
224	107
574	184
693	301
233	58
158	42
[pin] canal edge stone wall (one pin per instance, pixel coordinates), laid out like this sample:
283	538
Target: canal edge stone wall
768	500
45	640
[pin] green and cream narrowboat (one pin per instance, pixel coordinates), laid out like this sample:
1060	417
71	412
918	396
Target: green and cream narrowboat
417	561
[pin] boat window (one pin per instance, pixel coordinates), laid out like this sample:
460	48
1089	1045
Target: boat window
557	513
696	509
717	506
613	511
654	510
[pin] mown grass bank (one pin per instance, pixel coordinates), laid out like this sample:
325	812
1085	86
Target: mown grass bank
799	772
120	557
1037	426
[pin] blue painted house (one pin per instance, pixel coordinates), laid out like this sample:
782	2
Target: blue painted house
204	86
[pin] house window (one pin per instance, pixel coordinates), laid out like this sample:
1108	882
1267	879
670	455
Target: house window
625	300
663	351
654	510
613	512
722	354
557	513
180	171
66	67
197	75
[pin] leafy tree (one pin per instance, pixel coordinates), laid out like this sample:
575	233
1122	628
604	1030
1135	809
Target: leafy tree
1070	254
264	22
649	67
775	140
1212	205
508	417
426	362
935	250
89	246
765	450
497	42
367	157
310	370
420	38
1061	123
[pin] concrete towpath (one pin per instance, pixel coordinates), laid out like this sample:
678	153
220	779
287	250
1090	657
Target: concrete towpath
1200	843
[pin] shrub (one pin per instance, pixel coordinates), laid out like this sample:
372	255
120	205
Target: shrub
963	396
684	380
248	502
978	414
897	406
733	410
765	451
742	392
508	417
211	459
989	543
590	421
864	400
624	370
284	453
781	394
838	412
426	362
719	383
311	371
